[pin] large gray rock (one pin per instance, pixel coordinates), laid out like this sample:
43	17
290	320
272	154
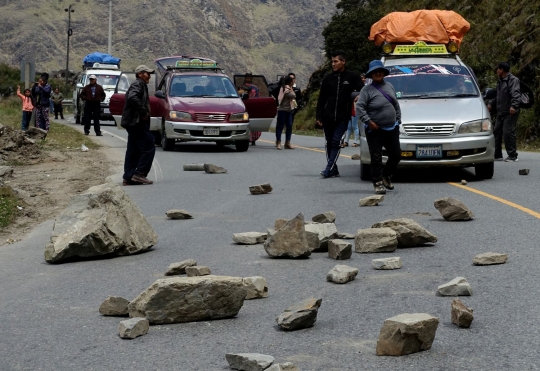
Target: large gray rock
313	240
452	209
339	249
406	334
260	189
326	232
387	263
299	316
376	240
490	258
114	306
213	169
188	299
256	287
341	274
134	327
249	238
289	241
249	361
409	232
461	315
100	221
6	171
178	214
287	366
198	270
457	287
36	133
180	268
371	200
326	217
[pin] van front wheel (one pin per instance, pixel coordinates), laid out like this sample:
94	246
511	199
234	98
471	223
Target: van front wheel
484	171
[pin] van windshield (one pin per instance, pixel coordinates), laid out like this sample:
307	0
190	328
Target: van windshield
206	86
431	81
107	81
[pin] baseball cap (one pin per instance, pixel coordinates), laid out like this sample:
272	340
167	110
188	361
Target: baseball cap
143	68
92	77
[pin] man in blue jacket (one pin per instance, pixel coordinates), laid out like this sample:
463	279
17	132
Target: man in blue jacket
334	108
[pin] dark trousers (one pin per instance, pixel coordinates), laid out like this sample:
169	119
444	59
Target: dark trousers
284	119
92	110
505	127
140	151
377	139
58	109
333	132
26	117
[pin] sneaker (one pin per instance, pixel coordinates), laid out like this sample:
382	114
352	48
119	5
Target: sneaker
387	181
499	159
379	188
334	173
325	174
141	179
99	135
130	182
513	159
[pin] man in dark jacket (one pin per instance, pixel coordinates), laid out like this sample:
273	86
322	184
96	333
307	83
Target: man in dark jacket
334	108
136	120
92	95
507	106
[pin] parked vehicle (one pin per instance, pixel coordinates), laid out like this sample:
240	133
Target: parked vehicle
195	101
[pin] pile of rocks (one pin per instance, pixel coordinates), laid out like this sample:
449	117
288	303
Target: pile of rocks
20	146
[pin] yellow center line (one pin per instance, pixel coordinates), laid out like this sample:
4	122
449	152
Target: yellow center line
306	148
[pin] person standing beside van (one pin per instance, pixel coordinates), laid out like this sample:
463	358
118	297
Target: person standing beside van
57	99
92	95
286	105
507	106
378	108
41	93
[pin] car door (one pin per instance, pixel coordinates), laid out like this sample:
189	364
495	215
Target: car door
262	108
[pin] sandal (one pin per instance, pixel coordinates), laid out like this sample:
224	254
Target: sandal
355	145
344	144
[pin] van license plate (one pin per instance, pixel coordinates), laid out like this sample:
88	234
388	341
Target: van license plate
429	151
211	131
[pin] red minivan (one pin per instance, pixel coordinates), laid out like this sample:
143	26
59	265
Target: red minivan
193	100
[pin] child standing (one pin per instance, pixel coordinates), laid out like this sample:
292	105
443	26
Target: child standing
27	107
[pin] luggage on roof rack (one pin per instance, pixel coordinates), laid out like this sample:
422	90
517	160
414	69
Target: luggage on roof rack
102	58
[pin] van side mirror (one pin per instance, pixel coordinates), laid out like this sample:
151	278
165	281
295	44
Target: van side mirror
159	94
489	94
245	96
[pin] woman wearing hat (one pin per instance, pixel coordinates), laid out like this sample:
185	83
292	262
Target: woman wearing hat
378	108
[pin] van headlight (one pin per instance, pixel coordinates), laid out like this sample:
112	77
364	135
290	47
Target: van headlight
180	116
475	126
236	117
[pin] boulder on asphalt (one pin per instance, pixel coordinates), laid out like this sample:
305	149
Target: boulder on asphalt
452	209
345	236
299	316
280	223
103	220
180	268
326	232
178	214
371	200
36	133
461	315
339	249
313	240
249	238
6	171
387	263
213	169
114	306
249	361
188	299
256	287
287	366
326	217
457	287
376	240
260	189
197	270
409	232
407	333
289	241
523	171
463	182
490	258
194	167
133	327
341	274
356	156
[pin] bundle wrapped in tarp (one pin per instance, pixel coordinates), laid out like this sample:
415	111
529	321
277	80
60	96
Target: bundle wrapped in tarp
98	57
433	26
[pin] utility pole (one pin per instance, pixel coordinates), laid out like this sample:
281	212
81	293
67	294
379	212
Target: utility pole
69	33
110	28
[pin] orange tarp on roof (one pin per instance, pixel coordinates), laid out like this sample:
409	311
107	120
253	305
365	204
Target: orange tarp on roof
434	26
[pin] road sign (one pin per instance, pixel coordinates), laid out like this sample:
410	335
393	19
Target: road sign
28	72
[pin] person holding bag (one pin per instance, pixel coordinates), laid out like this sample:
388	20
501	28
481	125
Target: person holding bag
286	105
378	108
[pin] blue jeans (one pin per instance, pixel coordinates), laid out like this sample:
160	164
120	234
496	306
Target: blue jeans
284	119
333	132
26	116
353	126
140	151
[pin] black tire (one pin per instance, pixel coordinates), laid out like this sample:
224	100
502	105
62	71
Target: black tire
241	145
365	171
484	171
166	144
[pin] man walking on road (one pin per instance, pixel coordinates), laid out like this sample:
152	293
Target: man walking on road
507	106
334	108
92	95
136	120
57	99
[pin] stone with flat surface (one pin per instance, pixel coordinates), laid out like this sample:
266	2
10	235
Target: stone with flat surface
461	315
409	232
289	241
177	214
249	238
260	189
197	270
341	274
133	328
339	249
376	240
490	258
299	316
326	217
387	263
180	268
256	287
371	200
457	287
326	232
249	361
452	209
114	306
213	169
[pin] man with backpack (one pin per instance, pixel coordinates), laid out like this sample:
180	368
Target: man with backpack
507	106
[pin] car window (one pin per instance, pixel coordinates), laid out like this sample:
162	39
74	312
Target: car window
255	86
123	84
208	86
431	81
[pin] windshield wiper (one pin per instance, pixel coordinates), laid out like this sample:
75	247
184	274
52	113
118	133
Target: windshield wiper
464	95
422	96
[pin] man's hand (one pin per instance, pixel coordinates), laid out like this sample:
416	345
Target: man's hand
373	126
319	123
512	110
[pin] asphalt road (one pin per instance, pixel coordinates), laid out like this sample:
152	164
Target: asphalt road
50	318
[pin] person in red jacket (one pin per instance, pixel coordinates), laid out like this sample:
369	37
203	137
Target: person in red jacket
92	95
